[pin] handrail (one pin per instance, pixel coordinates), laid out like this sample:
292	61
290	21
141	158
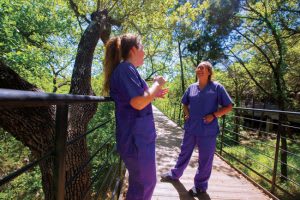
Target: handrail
236	122
23	169
19	98
86	163
267	110
230	136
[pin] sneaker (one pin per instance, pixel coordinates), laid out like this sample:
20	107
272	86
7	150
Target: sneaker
167	177
194	192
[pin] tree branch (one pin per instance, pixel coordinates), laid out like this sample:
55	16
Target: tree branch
249	73
74	7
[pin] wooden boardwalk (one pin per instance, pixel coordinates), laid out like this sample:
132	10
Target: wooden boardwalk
225	182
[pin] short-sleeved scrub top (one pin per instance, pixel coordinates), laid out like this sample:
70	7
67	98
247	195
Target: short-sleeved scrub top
133	127
201	103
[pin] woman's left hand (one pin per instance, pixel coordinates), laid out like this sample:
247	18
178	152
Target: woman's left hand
162	92
208	118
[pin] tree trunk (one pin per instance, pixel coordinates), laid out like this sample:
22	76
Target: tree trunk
181	69
282	120
35	127
237	114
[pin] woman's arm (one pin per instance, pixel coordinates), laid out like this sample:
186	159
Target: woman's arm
186	112
222	111
141	102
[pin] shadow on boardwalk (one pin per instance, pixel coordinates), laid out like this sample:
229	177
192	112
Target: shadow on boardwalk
225	183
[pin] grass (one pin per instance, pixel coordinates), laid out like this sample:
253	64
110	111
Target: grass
259	155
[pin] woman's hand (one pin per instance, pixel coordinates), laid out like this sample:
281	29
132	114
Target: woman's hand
160	80
161	93
186	117
208	118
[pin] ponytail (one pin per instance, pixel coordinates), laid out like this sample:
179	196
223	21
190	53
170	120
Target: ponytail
117	49
111	60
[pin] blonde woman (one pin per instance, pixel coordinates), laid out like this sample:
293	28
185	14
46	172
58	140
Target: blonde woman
135	131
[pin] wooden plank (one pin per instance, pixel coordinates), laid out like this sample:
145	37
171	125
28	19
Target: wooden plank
225	183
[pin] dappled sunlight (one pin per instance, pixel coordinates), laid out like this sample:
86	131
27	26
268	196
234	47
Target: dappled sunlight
226	169
225	182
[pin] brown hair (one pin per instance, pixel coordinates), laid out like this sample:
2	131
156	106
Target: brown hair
117	49
208	65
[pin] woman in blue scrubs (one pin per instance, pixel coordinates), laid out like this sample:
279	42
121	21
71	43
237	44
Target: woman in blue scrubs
201	109
135	131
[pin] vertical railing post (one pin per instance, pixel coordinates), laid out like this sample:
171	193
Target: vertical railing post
174	113
276	157
222	134
61	126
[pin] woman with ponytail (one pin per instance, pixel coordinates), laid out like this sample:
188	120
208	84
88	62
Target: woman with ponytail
135	130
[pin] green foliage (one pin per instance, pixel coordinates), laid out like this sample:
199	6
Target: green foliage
256	148
35	35
262	43
14	155
38	39
259	154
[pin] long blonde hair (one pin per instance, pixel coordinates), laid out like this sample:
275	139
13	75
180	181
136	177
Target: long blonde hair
117	49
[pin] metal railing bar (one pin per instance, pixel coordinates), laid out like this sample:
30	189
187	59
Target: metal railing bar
231	131
21	98
271	195
87	162
255	140
260	175
250	147
100	167
262	142
290	139
88	132
250	138
277	186
228	136
256	120
253	160
119	180
269	133
267	122
267	110
104	181
111	180
293	154
289	166
289	126
61	130
265	132
25	168
291	180
115	188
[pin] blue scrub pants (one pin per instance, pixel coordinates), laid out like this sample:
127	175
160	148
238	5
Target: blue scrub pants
206	148
142	172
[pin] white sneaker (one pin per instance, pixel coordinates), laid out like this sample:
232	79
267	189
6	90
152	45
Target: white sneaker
167	177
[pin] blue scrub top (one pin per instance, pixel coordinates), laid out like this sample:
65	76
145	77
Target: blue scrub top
133	127
201	103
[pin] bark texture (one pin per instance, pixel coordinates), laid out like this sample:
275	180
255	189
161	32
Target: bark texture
35	126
